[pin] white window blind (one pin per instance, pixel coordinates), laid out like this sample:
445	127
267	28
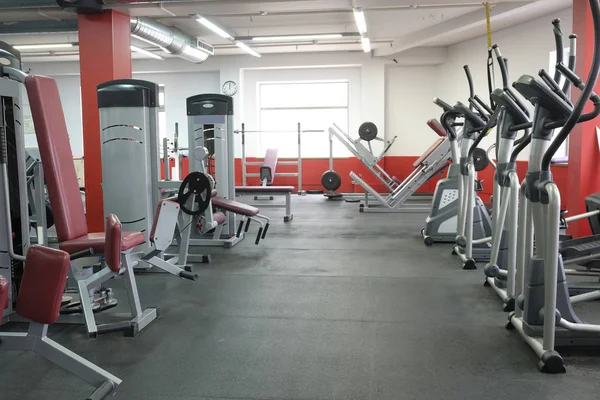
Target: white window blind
315	105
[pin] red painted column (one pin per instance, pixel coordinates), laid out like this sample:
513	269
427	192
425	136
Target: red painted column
104	55
584	157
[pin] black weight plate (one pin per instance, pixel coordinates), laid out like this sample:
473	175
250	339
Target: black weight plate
331	180
196	183
480	159
367	131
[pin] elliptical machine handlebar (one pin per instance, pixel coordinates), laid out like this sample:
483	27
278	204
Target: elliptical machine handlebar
471	86
485	131
586	94
572	62
559	46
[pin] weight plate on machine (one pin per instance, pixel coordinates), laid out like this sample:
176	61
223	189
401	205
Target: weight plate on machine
196	183
480	159
331	180
367	131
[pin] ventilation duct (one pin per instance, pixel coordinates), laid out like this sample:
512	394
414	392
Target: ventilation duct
171	40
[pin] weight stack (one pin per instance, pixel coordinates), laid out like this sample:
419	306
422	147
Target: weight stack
129	147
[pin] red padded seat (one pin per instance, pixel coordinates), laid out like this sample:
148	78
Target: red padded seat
43	283
437	128
4	288
264	189
96	241
235	207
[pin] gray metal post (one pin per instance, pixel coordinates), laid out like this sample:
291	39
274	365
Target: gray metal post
299	159
166	159
243	154
330	151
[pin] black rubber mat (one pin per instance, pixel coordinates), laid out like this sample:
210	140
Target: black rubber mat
333	305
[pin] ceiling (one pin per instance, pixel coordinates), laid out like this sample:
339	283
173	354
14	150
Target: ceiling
393	26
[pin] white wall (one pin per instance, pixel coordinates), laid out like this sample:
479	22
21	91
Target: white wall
178	87
396	97
408	104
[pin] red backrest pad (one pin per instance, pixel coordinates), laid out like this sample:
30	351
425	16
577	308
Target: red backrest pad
437	128
57	157
112	243
269	166
427	153
3	294
43	283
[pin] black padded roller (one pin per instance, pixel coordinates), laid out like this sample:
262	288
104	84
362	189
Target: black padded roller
188	275
247	225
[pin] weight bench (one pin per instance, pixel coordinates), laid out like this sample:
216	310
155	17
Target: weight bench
272	191
39	301
72	229
248	213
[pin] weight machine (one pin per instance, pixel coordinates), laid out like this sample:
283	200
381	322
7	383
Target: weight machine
367	132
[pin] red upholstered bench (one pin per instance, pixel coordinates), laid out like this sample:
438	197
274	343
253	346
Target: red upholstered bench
235	206
39	300
268	167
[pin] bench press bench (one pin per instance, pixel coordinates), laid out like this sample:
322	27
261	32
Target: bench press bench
39	301
271	191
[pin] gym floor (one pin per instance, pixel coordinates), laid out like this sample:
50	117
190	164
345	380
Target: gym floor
334	305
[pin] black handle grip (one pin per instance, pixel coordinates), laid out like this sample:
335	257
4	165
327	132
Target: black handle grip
188	275
559	46
247	225
258	235
240	227
470	81
265	231
3	146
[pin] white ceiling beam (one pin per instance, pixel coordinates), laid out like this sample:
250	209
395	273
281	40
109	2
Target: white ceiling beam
503	15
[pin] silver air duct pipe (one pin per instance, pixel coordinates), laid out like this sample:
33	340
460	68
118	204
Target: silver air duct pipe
172	40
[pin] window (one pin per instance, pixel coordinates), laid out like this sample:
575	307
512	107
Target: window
563	150
315	105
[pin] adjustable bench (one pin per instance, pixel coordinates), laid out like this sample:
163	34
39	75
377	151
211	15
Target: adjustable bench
285	191
39	301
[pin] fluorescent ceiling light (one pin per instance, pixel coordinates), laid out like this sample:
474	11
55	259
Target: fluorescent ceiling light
214	28
146	52
359	17
247	49
292	38
43	46
366	44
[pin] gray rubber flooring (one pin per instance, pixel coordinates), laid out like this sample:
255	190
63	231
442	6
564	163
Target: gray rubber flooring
333	305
